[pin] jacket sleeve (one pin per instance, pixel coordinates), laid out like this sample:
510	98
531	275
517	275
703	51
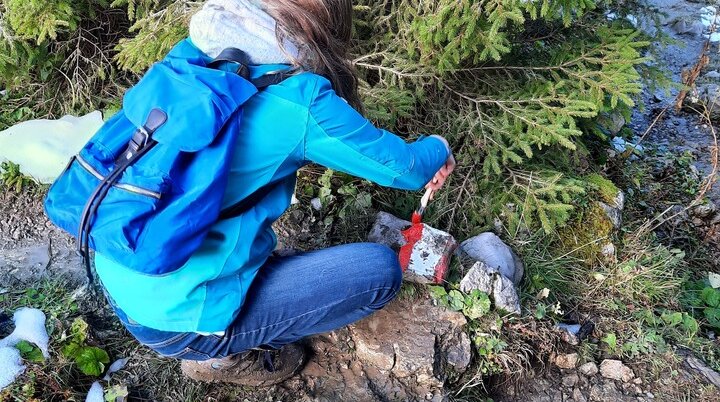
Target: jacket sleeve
340	138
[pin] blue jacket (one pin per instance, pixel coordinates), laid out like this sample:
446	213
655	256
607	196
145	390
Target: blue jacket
283	128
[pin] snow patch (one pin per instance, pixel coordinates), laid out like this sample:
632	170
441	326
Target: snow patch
707	15
10	366
30	327
96	394
43	148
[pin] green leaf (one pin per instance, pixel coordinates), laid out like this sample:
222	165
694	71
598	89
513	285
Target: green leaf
611	339
477	304
713	317
30	352
711	296
91	360
115	392
71	350
457	300
79	330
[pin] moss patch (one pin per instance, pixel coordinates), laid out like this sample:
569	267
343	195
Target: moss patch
606	189
586	235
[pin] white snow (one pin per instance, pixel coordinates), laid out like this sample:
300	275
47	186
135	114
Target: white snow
707	15
715	37
115	367
96	394
30	327
10	366
43	148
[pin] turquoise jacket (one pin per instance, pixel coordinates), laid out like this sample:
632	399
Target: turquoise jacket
284	127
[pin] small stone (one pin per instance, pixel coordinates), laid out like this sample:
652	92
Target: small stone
616	370
638	381
568	361
589	369
650	395
570	380
578	396
488	280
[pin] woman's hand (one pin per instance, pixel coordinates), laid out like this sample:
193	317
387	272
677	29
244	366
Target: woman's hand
445	171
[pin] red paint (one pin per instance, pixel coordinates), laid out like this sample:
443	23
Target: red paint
412	235
416	218
440	270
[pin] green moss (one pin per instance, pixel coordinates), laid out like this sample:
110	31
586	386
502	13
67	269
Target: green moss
585	236
606	189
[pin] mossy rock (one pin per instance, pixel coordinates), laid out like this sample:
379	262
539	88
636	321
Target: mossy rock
587	235
606	190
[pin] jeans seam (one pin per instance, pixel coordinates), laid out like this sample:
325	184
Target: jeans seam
308	312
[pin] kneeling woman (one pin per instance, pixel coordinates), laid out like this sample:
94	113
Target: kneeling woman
235	312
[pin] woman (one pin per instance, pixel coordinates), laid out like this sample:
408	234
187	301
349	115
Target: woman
235	313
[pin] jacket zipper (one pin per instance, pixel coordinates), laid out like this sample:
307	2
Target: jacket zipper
127	187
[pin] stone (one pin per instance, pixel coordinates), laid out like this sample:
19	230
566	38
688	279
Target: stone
26	264
612	123
413	343
578	396
616	370
705	210
568	361
387	230
613	213
683	26
490	249
489	280
606	391
427	259
570	380
589	369
714	74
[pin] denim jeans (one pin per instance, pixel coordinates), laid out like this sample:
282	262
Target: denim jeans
291	298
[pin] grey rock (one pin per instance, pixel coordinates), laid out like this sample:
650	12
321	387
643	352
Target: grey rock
684	26
25	264
613	213
568	361
414	343
696	364
704	210
387	230
489	280
490	249
570	380
612	123
589	369
578	396
616	370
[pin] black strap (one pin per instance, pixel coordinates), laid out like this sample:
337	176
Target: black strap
233	55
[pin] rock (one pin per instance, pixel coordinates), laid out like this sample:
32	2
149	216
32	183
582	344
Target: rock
683	26
424	260
490	249
608	252
570	380
606	391
613	213
714	74
696	364
387	230
26	264
568	361
489	280
414	343
589	369
578	396
705	210
616	370
612	123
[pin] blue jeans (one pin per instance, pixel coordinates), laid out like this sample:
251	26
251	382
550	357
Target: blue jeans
292	298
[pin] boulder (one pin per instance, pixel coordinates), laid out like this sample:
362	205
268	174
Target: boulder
387	230
491	250
415	344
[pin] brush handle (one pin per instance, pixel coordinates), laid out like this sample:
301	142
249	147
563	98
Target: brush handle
424	201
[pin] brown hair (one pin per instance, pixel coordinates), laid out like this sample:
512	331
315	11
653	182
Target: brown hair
322	30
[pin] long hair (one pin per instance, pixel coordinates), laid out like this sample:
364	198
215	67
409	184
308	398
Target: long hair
322	30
